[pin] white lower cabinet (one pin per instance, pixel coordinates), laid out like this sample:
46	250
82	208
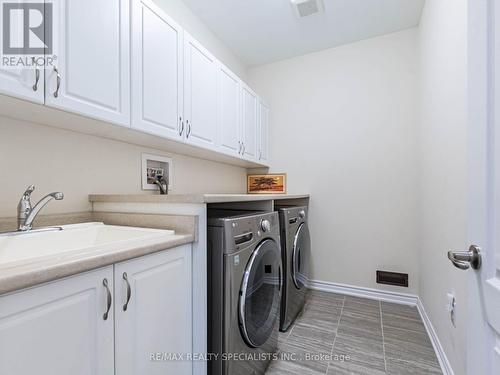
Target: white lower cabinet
60	328
156	321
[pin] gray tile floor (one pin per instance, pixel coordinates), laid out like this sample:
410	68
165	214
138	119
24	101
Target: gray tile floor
372	338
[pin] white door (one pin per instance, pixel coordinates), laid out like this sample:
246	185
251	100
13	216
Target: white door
229	112
249	129
24	83
483	352
263	153
59	328
156	71
153	313
200	94
92	73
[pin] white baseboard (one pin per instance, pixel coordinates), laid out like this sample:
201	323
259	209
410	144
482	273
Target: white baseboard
350	290
438	348
394	297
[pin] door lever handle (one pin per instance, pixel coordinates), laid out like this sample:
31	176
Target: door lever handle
466	259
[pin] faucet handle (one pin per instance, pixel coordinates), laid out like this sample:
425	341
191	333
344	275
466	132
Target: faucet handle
28	191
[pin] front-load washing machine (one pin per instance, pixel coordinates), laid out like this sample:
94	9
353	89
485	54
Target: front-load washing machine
244	291
296	254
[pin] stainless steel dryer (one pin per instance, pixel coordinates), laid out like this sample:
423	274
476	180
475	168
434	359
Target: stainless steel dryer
296	254
244	290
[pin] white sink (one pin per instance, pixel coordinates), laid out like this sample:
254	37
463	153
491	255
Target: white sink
28	246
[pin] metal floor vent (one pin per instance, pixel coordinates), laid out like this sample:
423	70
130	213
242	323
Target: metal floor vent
392	278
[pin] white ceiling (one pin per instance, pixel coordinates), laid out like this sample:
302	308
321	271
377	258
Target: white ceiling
262	31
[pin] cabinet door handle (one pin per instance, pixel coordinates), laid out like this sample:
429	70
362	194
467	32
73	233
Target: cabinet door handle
239	147
260	154
58	82
243	149
182	126
129	291
37	78
188	129
109	299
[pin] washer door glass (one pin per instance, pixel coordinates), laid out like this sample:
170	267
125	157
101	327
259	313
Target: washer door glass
260	294
300	256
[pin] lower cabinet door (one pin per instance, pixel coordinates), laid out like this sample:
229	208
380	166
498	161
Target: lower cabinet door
59	328
153	328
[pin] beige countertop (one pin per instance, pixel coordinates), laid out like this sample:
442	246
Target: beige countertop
191	198
27	274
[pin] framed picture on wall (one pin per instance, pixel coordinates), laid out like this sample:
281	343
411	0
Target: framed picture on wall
266	183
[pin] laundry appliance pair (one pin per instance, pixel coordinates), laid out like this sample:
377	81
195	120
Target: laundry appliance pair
258	266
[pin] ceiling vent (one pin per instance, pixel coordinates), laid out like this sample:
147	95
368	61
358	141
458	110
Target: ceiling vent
304	8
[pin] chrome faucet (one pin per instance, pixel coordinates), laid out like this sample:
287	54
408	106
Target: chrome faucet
162	184
26	214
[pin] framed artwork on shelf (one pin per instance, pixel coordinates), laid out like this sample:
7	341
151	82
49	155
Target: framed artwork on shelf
266	183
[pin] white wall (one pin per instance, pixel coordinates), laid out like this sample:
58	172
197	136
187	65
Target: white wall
344	128
177	10
77	164
443	168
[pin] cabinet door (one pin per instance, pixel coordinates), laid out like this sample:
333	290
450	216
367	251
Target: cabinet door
58	328
249	123
229	97
263	155
23	83
200	94
91	41
158	317
156	71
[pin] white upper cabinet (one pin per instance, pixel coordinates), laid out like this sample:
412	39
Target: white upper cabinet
92	71
263	152
127	63
59	328
200	94
153	312
156	72
249	123
23	83
229	119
